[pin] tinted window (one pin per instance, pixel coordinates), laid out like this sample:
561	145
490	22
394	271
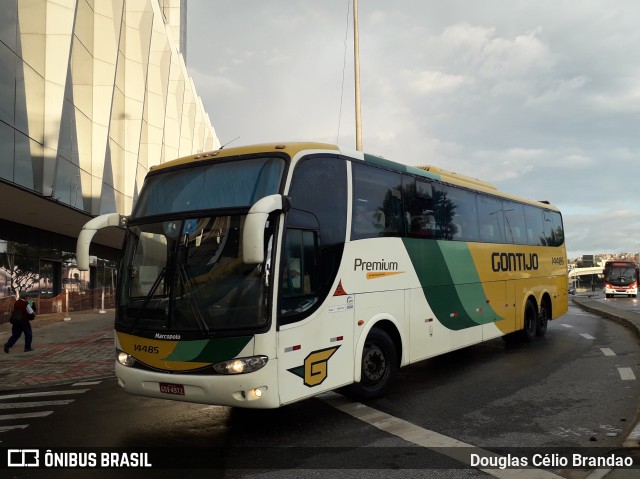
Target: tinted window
314	235
535	228
515	226
553	232
377	203
490	219
209	186
300	273
319	186
444	210
464	223
418	202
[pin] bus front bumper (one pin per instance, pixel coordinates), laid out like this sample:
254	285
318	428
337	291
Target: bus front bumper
252	390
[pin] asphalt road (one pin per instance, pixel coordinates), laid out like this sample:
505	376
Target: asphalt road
622	302
575	388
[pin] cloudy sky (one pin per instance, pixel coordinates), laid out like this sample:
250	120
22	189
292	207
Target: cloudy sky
541	98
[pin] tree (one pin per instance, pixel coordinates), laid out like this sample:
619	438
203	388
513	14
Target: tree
22	269
22	264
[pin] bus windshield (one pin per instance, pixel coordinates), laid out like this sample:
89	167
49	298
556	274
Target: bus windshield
620	275
186	273
189	275
234	184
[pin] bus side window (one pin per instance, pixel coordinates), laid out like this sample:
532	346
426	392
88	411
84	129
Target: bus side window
553	232
377	205
535	225
300	268
514	222
444	212
418	204
491	219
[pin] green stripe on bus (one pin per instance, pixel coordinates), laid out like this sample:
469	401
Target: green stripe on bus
209	350
450	282
393	166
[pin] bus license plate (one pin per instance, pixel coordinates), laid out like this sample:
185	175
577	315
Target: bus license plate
168	388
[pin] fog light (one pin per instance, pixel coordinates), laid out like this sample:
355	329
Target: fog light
256	393
125	359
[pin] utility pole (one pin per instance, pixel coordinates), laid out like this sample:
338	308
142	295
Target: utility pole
356	63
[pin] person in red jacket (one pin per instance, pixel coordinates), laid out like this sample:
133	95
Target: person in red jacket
21	326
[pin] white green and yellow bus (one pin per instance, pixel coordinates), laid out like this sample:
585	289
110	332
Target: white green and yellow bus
262	275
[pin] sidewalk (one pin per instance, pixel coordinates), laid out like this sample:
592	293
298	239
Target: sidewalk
79	347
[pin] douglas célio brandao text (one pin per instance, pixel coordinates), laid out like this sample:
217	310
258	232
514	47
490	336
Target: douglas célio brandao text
576	460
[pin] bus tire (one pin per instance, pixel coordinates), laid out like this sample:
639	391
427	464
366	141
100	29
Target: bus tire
543	320
379	365
528	332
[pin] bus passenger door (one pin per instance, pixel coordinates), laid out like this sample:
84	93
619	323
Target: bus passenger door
315	338
316	354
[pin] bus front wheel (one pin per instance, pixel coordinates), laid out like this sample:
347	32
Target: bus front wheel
379	365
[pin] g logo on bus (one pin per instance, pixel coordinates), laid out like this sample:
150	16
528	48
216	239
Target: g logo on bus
315	368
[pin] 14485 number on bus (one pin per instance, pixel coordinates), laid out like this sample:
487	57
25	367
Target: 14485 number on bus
559	260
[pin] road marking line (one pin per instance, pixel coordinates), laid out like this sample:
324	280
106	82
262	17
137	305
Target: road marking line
19	405
587	336
45	393
566	325
25	415
15	426
426	438
626	374
633	438
607	351
598	473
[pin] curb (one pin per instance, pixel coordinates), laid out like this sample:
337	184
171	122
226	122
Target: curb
628	319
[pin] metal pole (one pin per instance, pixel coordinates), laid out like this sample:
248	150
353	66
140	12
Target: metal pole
66	297
102	310
103	278
356	63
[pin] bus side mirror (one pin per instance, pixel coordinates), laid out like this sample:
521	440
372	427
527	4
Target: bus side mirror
86	235
253	232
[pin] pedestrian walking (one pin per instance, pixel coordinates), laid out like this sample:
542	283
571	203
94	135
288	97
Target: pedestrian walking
24	312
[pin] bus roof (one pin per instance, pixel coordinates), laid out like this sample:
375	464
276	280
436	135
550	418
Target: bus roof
293	148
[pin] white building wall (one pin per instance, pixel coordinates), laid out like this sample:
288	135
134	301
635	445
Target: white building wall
92	94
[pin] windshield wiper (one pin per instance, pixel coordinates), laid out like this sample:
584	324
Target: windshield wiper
191	301
149	296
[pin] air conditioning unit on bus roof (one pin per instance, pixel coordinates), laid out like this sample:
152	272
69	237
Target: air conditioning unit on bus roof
459	177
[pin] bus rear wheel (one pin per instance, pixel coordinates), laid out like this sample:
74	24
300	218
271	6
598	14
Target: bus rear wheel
543	320
528	332
379	365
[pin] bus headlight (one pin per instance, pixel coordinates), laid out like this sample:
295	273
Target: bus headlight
241	365
124	358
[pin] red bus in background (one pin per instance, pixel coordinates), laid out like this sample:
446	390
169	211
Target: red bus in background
620	277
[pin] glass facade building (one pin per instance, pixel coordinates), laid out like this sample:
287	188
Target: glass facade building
92	94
